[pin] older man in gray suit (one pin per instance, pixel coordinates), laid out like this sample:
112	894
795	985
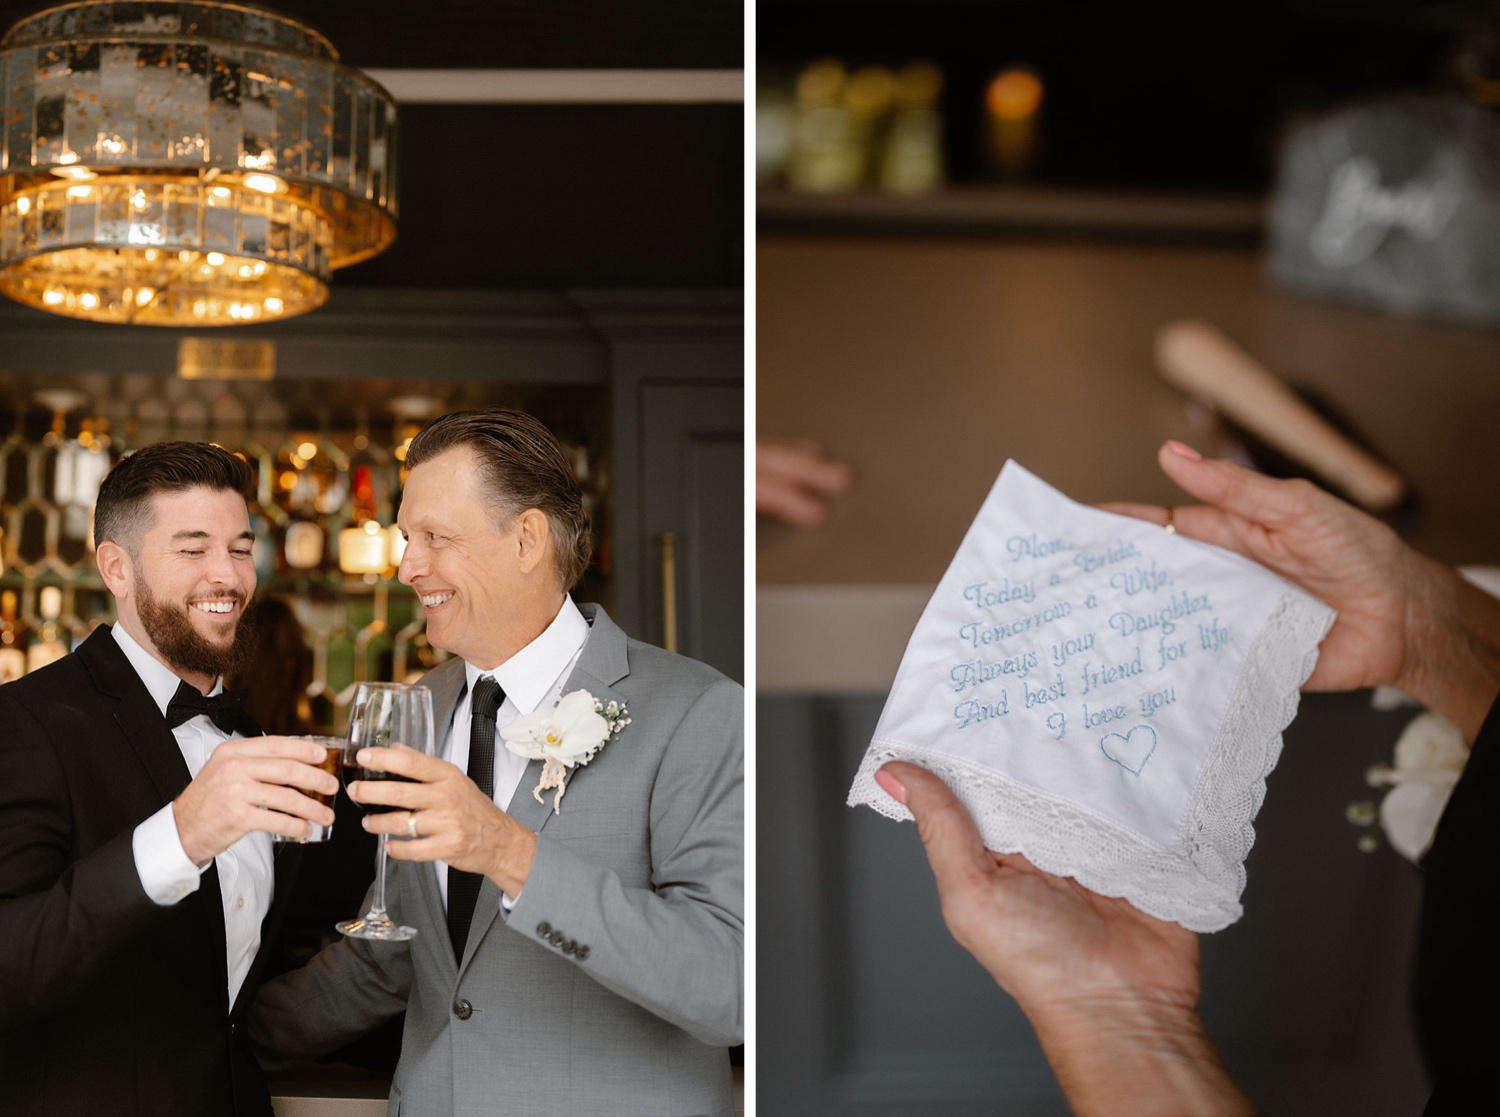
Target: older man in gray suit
574	956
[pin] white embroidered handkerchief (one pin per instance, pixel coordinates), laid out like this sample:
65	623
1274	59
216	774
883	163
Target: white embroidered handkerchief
1105	697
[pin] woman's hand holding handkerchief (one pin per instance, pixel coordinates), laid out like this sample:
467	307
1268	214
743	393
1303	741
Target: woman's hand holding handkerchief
1111	990
1404	620
1105	697
1113	993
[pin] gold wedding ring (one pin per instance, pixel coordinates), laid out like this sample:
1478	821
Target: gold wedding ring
411	824
1171	528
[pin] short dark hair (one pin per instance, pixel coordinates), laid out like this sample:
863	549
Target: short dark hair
123	507
522	466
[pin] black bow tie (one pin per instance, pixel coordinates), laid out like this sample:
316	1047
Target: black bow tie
222	709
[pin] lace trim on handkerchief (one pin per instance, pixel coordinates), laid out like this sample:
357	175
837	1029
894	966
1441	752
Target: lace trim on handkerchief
1197	882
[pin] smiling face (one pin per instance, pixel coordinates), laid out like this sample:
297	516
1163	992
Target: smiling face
182	589
488	588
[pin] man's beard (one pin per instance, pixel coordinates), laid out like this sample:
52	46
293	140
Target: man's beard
184	648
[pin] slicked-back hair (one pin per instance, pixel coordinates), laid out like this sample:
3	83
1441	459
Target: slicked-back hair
124	506
521	466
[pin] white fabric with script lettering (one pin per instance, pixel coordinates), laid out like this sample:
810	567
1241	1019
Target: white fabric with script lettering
1105	697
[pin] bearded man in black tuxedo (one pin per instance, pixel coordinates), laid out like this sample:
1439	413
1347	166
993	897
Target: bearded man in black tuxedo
137	805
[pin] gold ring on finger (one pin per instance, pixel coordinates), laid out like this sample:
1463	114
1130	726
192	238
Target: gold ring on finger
411	824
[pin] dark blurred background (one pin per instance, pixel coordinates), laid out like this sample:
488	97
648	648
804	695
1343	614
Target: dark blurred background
1145	95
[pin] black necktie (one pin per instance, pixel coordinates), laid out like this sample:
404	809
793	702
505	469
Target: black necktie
463	888
224	710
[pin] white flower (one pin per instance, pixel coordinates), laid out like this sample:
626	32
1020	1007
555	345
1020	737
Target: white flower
1431	742
1430	757
569	734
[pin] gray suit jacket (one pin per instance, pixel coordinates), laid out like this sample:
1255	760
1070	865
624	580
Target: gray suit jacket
616	982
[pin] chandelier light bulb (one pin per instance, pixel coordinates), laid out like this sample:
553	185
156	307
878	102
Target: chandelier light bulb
266	184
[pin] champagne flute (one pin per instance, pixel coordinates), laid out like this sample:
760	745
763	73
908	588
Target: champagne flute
394	716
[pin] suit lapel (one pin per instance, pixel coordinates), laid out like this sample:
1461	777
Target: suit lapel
286	860
602	663
419	880
136	713
143	727
446	681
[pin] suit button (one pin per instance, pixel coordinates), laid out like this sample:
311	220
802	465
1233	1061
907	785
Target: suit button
555	938
543	930
569	946
581	953
463	1009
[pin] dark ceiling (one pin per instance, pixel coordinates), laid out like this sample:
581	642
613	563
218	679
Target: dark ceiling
551	196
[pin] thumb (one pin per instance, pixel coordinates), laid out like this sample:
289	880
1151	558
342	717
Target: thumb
954	848
1254	496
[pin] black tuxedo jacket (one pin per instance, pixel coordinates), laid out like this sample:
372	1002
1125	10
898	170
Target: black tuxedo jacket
109	1003
1458	957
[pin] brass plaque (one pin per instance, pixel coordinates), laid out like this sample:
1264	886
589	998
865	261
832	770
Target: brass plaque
202	358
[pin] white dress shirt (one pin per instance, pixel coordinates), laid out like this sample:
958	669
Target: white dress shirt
246	869
532	679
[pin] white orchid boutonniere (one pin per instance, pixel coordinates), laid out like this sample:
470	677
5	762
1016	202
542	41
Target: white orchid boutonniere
569	734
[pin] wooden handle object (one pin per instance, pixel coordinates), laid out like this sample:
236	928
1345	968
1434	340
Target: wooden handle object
1199	359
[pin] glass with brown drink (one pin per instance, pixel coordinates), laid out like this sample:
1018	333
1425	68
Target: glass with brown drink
333	756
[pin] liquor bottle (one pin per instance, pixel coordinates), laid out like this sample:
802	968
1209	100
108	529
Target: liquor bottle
312	487
774	115
411	413
49	645
14	637
80	468
363	547
912	160
828	143
266	516
1013	101
65	545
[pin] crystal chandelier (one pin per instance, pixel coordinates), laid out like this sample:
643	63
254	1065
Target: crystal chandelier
185	163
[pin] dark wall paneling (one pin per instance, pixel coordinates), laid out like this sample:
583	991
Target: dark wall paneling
547	196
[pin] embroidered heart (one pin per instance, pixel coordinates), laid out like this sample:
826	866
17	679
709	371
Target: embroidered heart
1132	750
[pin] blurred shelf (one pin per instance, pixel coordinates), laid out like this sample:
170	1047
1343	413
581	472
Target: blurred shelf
927	362
1024	211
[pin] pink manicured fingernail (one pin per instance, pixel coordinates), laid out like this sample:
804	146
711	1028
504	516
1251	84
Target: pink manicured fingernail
892	786
1183	450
